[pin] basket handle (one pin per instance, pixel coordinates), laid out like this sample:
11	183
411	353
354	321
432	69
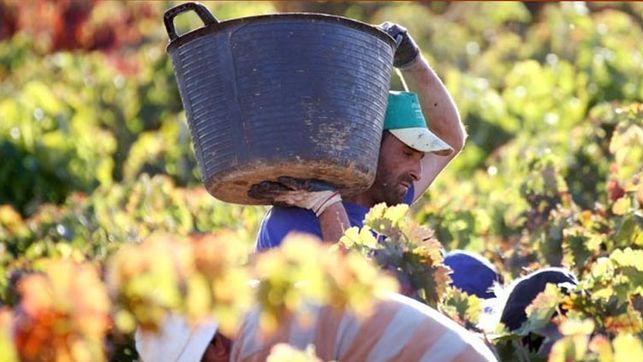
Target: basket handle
201	11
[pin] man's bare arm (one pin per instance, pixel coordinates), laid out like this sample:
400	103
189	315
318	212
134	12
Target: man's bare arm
333	221
442	117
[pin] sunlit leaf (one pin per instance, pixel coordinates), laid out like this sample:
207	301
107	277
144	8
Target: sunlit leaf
602	347
572	327
627	347
621	206
64	312
9	353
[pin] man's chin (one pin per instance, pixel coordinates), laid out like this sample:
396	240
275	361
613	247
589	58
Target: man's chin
395	200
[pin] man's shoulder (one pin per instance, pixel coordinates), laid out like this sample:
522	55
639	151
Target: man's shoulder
278	214
282	220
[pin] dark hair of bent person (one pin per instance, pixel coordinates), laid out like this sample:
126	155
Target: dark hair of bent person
525	290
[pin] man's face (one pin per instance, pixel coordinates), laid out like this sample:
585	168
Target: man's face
398	167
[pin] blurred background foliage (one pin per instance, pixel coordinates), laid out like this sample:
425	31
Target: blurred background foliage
95	150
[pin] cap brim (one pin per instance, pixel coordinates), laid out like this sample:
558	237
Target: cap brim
423	140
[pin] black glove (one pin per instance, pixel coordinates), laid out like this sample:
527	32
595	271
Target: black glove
314	195
407	50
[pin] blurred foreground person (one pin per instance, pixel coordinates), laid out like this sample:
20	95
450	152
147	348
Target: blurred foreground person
399	329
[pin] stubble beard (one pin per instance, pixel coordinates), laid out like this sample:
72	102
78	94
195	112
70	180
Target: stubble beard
390	191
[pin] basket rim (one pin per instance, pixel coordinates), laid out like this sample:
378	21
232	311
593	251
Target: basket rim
305	16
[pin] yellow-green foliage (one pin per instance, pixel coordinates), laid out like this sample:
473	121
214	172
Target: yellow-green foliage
100	195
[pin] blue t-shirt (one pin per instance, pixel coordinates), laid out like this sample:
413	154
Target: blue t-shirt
281	220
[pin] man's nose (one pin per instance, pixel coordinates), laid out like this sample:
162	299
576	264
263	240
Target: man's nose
416	172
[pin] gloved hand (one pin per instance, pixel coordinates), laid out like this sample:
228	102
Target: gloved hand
313	195
407	50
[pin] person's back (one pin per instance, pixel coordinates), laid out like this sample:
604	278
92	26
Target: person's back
399	329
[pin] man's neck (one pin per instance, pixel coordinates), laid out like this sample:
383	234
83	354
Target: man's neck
363	199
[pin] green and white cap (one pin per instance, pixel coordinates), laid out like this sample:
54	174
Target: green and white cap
404	119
